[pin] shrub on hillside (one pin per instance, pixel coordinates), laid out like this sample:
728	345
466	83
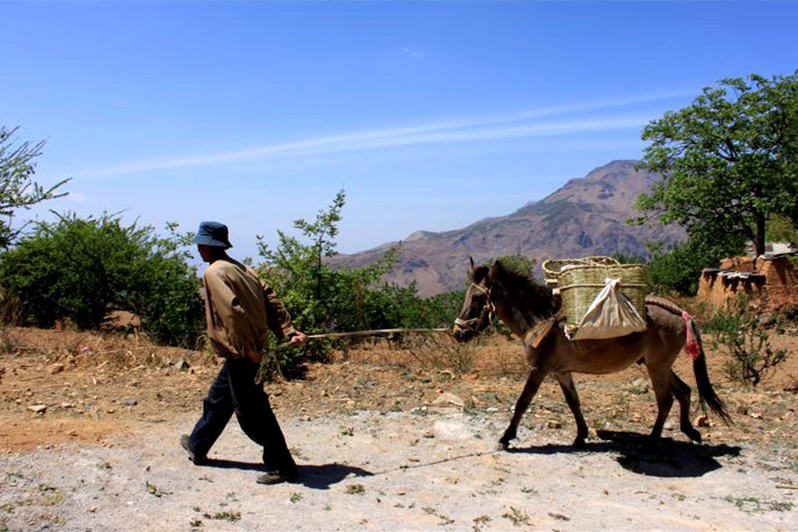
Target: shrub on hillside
80	269
677	269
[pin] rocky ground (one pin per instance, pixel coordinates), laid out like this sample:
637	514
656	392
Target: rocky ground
387	438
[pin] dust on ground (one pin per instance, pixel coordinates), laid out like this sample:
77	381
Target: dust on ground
387	437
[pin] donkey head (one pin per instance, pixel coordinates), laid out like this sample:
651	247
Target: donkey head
478	311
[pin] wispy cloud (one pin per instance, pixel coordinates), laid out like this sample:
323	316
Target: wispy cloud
412	52
491	127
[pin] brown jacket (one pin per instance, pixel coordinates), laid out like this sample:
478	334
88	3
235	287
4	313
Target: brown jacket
240	309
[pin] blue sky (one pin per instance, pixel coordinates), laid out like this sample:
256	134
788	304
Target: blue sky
430	115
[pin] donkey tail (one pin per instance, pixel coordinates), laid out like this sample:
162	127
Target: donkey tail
706	395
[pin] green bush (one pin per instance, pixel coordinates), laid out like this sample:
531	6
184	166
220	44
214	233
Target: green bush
79	270
323	299
677	269
741	331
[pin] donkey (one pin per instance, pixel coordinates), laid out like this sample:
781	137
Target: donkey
531	311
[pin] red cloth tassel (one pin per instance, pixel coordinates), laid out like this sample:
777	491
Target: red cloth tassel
692	345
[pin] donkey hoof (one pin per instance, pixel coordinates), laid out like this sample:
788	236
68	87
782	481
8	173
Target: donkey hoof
504	444
693	434
579	443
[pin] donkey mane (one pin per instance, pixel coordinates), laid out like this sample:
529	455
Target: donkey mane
537	301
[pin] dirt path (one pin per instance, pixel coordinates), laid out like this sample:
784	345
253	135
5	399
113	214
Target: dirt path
433	469
385	440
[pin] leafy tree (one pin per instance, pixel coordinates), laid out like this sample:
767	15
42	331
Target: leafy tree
627	259
80	269
17	190
324	299
318	297
782	229
518	263
729	160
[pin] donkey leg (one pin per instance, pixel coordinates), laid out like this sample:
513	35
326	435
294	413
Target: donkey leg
661	382
533	382
682	393
566	381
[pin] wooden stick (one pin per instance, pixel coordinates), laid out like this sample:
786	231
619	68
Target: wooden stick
374	332
269	353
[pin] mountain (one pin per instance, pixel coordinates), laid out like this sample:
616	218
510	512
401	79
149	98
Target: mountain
585	217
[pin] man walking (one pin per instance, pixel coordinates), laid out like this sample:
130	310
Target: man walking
239	311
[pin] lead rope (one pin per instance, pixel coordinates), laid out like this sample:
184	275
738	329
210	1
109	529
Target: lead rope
270	355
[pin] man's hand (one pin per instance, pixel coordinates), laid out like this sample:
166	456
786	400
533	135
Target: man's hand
298	338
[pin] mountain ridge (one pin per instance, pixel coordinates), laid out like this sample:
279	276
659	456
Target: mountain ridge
586	216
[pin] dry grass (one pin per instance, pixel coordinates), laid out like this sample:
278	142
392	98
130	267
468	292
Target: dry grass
92	349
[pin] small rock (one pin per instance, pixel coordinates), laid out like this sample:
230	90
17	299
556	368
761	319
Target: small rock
56	368
429	434
91	509
67	405
702	421
110	410
131	401
554	424
742	410
38	409
756	415
182	364
451	430
401	492
447	398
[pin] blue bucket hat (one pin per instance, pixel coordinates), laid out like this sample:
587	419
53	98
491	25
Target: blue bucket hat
213	234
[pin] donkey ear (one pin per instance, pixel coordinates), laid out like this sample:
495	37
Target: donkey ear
472	262
496	269
480	273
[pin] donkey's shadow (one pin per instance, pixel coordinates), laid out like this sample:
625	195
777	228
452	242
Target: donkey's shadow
636	453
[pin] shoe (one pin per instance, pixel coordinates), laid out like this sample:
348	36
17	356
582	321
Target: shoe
277	477
198	460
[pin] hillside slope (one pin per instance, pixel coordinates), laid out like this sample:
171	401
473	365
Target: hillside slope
585	217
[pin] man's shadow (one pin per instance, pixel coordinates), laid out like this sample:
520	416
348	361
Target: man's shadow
319	477
665	458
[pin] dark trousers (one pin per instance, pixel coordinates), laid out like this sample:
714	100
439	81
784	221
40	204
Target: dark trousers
234	390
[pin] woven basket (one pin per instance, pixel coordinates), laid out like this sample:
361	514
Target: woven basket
580	284
552	268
